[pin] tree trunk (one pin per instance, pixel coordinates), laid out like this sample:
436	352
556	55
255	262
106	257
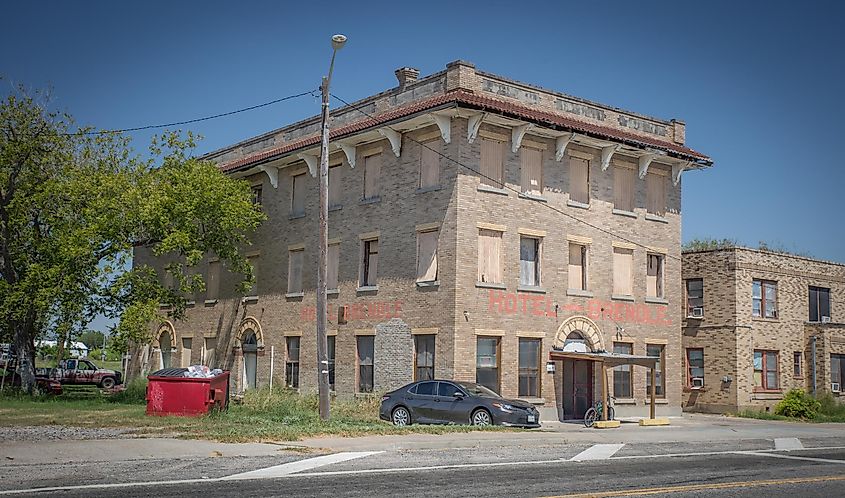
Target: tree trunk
25	350
60	346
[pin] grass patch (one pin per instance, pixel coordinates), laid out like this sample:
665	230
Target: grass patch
264	415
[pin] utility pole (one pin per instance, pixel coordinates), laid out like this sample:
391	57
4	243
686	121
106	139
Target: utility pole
322	267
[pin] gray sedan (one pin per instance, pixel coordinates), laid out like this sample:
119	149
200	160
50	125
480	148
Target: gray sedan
451	402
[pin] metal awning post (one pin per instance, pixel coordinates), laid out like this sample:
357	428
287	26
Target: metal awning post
653	387
603	391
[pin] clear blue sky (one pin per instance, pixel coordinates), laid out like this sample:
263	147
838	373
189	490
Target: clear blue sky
759	84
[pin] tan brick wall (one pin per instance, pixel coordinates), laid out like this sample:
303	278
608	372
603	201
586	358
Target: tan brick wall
728	276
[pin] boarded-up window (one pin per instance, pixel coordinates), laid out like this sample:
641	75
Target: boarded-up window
295	270
492	162
427	256
369	265
579	180
333	258
622	264
654	276
335	185
430	164
372	176
529	261
531	171
623	188
577	266
253	261
424	358
656	194
186	351
297	196
208	353
489	254
213	283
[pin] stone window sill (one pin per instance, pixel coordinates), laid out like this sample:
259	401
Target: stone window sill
624	212
430	188
492	190
654	217
191	304
533	197
250	299
577	204
210	302
490	285
616	297
367	288
332	292
761	319
293	295
296	216
625	401
656	300
531	288
371	200
430	283
699	318
767	395
336	207
579	292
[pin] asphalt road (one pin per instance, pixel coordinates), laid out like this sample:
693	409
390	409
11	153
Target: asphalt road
811	472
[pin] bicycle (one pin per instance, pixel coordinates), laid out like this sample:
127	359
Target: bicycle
595	412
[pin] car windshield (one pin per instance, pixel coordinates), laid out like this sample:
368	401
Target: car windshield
477	390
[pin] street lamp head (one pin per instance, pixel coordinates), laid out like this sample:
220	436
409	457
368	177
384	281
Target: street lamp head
338	41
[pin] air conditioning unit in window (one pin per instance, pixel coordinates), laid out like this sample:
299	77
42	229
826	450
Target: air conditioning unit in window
697	312
834	386
697	382
825	319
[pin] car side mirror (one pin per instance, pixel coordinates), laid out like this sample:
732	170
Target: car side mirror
458	395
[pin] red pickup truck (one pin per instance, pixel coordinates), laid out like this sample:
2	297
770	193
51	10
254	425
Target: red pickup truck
80	371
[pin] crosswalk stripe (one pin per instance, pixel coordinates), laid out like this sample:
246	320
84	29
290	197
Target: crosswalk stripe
788	443
300	465
597	452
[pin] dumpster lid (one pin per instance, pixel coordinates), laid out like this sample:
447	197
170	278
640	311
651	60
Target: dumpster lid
170	372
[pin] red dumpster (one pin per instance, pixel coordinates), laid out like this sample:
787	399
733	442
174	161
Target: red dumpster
170	393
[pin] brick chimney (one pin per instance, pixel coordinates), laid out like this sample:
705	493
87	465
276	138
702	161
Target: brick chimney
406	76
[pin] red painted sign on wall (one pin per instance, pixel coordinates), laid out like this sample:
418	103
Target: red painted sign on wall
527	304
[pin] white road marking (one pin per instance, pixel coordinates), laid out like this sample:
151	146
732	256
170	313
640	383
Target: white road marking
792	457
417	469
300	465
597	452
788	443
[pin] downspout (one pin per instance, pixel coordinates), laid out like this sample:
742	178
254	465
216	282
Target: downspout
814	364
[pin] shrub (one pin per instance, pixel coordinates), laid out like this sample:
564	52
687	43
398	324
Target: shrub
798	404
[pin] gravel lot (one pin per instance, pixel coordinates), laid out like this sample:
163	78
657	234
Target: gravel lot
58	432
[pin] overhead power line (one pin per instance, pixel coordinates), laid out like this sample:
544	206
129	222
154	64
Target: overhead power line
197	120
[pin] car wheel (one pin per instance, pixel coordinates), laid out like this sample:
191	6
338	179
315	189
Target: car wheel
590	417
401	417
107	383
481	417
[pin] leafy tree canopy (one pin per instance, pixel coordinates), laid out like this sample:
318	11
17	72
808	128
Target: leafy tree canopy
74	205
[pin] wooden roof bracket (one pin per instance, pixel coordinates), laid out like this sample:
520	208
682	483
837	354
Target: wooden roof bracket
445	125
606	155
677	169
312	162
272	174
394	137
644	162
517	134
560	145
474	125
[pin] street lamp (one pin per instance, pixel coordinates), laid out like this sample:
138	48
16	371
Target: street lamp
322	268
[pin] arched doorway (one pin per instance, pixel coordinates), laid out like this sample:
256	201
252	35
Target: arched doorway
249	347
578	334
165	344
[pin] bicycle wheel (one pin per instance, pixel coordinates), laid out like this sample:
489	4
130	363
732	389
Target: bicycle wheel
590	417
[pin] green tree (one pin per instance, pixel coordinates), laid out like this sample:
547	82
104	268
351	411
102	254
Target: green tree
92	339
74	205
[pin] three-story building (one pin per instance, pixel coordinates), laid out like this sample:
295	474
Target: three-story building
475	224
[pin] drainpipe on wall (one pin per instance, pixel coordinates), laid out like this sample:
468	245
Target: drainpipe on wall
814	364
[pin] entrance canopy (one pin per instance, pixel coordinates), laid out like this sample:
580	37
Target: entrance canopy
609	360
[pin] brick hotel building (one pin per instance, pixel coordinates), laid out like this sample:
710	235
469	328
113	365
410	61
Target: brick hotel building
475	224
